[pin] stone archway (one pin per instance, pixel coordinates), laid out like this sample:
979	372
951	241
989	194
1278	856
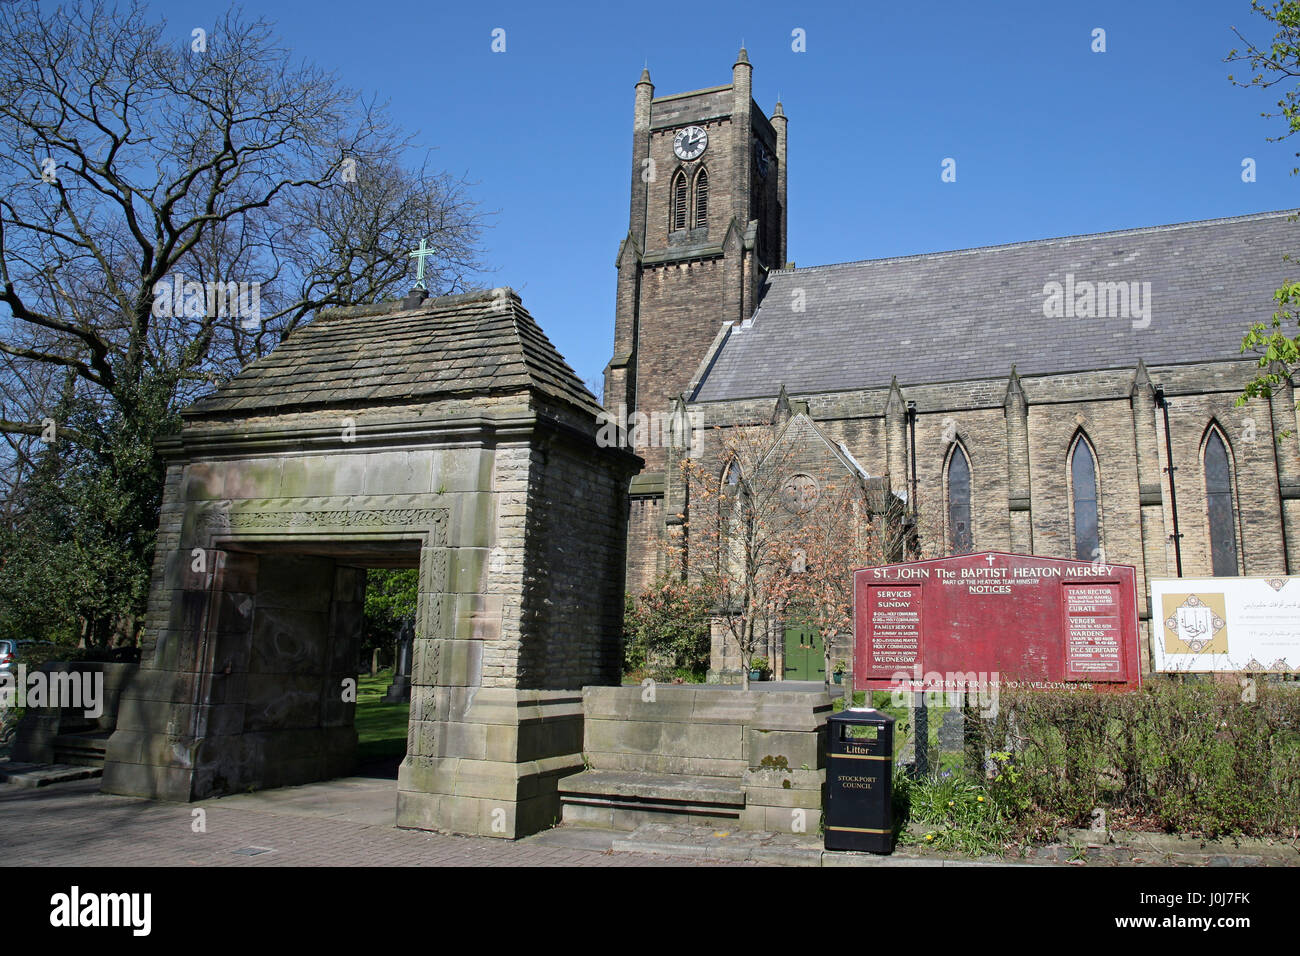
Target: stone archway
451	432
270	614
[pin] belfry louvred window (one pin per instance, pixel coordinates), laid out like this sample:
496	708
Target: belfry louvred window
701	199
679	201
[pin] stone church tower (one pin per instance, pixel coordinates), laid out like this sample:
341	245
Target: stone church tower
1071	397
707	224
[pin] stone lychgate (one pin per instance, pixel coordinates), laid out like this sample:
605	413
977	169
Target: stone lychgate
446	435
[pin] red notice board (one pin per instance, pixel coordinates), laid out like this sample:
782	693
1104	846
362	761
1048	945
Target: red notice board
1010	619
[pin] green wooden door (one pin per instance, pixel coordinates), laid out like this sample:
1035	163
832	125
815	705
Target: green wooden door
805	654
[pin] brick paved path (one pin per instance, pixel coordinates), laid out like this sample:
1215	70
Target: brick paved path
72	824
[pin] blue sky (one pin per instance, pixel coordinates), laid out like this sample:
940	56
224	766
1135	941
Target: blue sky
1049	137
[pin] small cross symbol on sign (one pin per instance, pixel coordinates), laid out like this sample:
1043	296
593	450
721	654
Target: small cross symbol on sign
420	255
989	559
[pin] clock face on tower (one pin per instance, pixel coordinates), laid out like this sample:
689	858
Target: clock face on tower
690	142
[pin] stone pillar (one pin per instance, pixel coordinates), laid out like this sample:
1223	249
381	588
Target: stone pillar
1020	516
896	449
780	123
187	699
1282	412
620	373
641	178
1156	554
742	79
517	615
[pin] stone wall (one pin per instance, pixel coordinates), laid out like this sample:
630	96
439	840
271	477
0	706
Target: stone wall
689	745
1018	450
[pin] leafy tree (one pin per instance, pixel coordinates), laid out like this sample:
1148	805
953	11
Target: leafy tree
666	629
1275	65
392	595
144	176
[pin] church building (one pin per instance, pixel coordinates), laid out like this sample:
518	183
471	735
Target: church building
1071	398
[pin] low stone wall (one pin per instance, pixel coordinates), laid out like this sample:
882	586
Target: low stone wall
36	732
769	744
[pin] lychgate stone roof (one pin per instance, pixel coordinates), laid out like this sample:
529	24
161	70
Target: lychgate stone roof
970	314
477	344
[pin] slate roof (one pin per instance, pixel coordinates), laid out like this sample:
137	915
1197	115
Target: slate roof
971	313
383	354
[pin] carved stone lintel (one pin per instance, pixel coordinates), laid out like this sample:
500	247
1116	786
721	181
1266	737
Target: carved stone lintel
223	519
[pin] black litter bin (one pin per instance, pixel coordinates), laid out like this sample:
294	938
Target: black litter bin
859	781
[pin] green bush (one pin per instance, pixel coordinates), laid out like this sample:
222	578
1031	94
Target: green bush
666	631
1184	758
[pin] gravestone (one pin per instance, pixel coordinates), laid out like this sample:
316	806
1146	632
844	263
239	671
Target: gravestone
445	435
952	731
399	691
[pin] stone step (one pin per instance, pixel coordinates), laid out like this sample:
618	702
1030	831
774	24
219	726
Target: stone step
624	800
81	750
42	775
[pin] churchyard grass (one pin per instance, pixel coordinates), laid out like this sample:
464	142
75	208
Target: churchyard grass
951	811
381	728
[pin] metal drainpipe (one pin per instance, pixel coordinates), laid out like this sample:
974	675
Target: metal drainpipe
911	427
911	492
1163	405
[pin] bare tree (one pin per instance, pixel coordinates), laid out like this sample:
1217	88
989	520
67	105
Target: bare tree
127	161
170	209
738	531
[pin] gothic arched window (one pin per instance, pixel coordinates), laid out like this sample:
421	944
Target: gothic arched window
1083	490
731	477
679	204
960	538
701	199
1218	506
